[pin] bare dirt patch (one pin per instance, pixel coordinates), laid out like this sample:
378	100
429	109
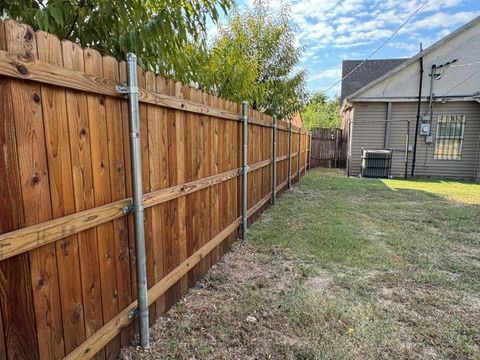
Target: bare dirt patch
234	312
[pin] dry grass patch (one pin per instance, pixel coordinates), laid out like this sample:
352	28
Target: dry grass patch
341	269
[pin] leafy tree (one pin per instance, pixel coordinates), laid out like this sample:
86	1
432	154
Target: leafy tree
255	58
321	112
158	31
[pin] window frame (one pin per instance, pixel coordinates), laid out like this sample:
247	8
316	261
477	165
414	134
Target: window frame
439	138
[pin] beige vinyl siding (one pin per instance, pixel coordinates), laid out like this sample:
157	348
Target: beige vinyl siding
426	165
397	140
368	130
478	158
478	171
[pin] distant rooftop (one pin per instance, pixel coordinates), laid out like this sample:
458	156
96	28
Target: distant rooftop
368	72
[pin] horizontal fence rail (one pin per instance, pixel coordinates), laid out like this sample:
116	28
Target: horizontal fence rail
67	236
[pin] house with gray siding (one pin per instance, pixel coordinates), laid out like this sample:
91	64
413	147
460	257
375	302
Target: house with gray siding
443	99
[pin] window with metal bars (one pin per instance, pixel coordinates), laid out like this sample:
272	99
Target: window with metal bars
449	137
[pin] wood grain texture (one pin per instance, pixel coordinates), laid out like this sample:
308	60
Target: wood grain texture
16	298
24	239
80	147
62	194
29	128
169	160
25	68
151	177
179	149
102	195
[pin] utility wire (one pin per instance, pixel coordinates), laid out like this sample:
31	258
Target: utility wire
382	45
461	82
462	65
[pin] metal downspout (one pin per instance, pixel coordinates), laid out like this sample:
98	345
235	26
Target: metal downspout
475	175
418	116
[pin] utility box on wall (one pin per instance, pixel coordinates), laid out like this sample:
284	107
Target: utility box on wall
425	129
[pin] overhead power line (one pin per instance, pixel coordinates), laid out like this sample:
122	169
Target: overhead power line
461	82
462	65
382	45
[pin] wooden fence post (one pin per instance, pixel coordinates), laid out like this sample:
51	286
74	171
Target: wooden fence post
274	160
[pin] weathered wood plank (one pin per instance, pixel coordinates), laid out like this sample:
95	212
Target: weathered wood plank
25	239
62	194
16	297
170	234
29	128
259	165
181	176
102	194
91	82
79	134
216	164
150	127
190	165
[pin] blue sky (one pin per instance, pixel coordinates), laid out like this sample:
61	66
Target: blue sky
334	30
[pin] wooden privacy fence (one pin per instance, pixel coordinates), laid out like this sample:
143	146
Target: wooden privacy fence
329	148
67	249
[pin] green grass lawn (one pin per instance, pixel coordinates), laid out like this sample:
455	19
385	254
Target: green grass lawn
402	259
341	268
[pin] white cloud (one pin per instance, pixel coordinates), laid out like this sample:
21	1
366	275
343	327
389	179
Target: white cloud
326	74
333	30
348	23
441	20
410	47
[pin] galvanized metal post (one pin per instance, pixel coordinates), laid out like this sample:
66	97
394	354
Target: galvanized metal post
274	160
299	150
407	144
290	156
244	170
306	151
310	152
137	195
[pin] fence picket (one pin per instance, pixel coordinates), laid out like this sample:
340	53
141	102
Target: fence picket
18	317
99	138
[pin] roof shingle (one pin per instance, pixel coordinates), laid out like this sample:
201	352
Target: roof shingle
368	72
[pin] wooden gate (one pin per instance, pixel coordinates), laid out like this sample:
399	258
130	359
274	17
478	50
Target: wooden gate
329	148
